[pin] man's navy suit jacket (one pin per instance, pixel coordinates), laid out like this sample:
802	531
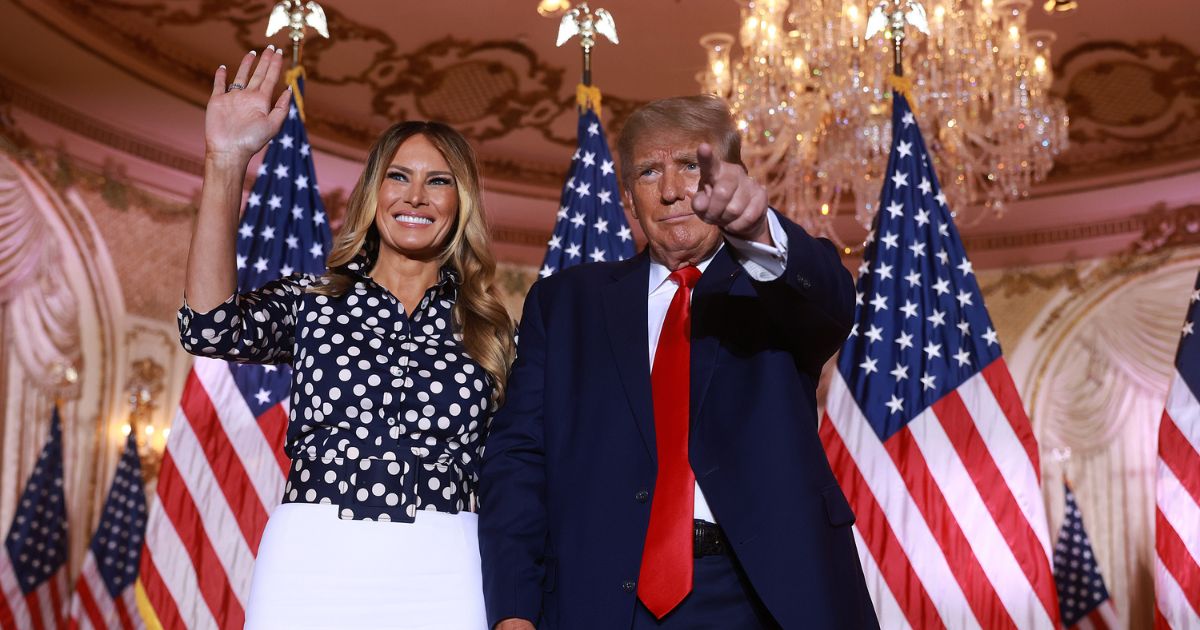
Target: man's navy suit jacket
570	462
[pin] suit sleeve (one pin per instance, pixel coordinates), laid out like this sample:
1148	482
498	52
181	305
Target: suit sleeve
813	299
512	518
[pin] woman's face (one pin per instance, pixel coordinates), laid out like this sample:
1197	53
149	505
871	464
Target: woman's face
418	201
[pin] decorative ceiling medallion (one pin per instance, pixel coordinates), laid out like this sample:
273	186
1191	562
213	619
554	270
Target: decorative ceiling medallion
1131	105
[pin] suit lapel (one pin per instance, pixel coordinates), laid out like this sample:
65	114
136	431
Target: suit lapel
715	282
625	320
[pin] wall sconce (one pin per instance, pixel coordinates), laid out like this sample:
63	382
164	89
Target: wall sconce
144	387
551	8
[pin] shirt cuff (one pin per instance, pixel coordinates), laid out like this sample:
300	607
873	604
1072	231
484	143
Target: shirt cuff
763	262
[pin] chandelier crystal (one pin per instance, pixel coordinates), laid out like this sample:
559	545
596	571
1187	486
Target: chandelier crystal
810	93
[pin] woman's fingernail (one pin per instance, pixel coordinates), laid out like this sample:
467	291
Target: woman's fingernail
221	67
253	54
270	46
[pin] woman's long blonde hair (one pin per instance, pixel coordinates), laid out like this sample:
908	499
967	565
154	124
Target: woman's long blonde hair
486	328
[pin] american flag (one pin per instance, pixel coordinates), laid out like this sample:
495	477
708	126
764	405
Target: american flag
33	562
224	467
591	225
924	428
1177	518
105	590
1082	598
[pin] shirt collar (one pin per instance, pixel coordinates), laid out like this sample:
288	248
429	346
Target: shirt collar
659	274
360	267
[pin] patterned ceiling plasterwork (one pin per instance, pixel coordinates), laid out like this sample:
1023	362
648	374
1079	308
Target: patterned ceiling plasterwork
1131	105
486	89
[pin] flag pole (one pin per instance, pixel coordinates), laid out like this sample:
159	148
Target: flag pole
582	21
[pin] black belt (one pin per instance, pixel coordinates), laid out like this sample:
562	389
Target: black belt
709	540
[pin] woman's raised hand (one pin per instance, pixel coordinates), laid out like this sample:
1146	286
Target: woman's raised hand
240	119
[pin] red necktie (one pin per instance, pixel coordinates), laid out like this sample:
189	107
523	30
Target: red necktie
666	573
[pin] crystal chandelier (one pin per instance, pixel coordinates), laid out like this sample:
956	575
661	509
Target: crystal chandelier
810	92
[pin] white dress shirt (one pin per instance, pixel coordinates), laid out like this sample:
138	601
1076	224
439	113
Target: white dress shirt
763	262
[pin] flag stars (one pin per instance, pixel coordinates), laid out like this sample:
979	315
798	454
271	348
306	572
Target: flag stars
944	229
297	212
597	255
625	233
937	319
895	209
316	250
301	182
263	396
874	333
884	270
963	357
889	240
292	111
964	298
942	286
943	257
990	337
909	309
241	261
868	365
593	129
905	341
260	265
965	267
895	404
589	158
287	141
879	302
933	350
262	170
922	217
573	250
255	199
604	196
578	220
305	149
913	278
601	226
899	179
584	189
555	243
964	327
900	372
246	231
925	187
927	381
292	242
546	271
908	119
285	270
917	248
1195	296
275	202
318	217
562	212
267	233
281	171
904	148
1188	329
606	167
941	197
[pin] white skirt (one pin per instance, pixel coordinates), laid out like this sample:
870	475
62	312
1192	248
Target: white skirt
315	570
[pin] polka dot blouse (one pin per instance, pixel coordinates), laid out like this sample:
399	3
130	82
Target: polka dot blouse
387	410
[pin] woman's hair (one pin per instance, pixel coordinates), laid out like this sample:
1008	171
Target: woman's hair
486	328
703	117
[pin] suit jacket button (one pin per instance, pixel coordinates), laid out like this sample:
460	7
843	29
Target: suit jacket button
641	496
629	586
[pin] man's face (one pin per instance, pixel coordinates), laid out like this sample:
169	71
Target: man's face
662	181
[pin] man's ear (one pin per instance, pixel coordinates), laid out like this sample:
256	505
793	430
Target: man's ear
627	197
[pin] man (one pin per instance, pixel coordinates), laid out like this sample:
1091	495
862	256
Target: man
656	464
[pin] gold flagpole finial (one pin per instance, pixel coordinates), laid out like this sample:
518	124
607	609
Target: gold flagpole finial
296	15
586	23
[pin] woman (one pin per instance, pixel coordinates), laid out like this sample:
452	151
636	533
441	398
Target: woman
400	353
